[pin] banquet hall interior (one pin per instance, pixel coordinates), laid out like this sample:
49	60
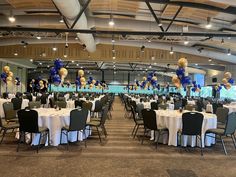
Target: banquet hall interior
100	88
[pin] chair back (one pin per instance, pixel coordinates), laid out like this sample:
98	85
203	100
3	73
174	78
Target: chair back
177	104
5	95
230	124
104	115
34	104
163	106
29	97
192	123
61	98
9	111
98	106
44	99
16	103
28	120
38	98
61	104
133	103
52	102
222	114
19	95
149	119
154	105
133	113
139	109
78	119
190	107
87	105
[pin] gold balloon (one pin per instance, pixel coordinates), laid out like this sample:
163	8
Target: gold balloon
41	82
9	79
228	86
227	75
91	85
182	62
82	79
10	74
175	79
144	78
178	85
93	81
63	72
154	78
225	81
81	73
6	69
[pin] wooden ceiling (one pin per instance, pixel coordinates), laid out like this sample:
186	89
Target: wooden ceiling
31	4
103	53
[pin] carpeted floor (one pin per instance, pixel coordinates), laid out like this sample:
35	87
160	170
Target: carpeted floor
118	155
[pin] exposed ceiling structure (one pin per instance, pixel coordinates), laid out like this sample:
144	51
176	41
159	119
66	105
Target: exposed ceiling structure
136	23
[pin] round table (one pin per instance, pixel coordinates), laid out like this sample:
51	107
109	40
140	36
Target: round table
231	107
172	119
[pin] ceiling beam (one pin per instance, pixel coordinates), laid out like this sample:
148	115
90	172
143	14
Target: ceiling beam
228	10
173	19
112	32
154	15
80	13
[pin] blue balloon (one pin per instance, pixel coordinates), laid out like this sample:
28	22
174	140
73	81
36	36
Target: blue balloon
137	83
56	79
231	81
3	75
194	82
53	71
193	89
90	78
180	72
149	78
58	64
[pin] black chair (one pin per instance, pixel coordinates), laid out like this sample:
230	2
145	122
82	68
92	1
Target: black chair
19	95
177	104
34	104
154	105
5	95
61	104
101	123
79	103
17	102
138	122
192	126
78	120
29	97
28	120
222	114
139	109
52	102
44	99
87	105
229	130
6	127
150	123
10	113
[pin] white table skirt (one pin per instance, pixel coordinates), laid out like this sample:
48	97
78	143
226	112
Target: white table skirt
54	120
70	104
172	119
25	103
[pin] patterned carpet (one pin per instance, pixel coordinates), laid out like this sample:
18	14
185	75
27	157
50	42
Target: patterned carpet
118	155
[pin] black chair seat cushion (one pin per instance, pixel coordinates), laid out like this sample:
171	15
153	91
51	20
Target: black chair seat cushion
217	131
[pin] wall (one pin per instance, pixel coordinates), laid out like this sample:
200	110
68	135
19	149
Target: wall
17	71
219	74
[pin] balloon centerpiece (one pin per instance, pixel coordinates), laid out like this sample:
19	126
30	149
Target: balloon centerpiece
58	73
228	81
196	87
181	77
6	75
147	82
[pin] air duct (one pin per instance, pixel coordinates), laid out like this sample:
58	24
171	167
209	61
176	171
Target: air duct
70	9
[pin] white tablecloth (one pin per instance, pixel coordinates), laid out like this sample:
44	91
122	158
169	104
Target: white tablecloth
209	108
172	119
232	108
54	120
25	103
192	102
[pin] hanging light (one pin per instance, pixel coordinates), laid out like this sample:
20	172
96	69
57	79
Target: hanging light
54	49
222	41
171	51
111	21
229	52
61	20
38	37
11	18
208	25
186	42
142	48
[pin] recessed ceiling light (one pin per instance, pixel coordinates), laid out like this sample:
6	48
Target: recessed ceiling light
146	69
229	52
159	24
210	60
72	61
153	58
171	52
212	64
196	64
65	55
113	57
113	41
61	20
155	63
111	22
81	67
150	66
48	66
38	37
15	53
54	49
77	64
149	40
12	19
208	26
76	38
40	63
67	66
31	60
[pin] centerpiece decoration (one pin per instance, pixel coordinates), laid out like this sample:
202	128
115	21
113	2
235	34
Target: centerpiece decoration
228	81
181	78
6	75
58	73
